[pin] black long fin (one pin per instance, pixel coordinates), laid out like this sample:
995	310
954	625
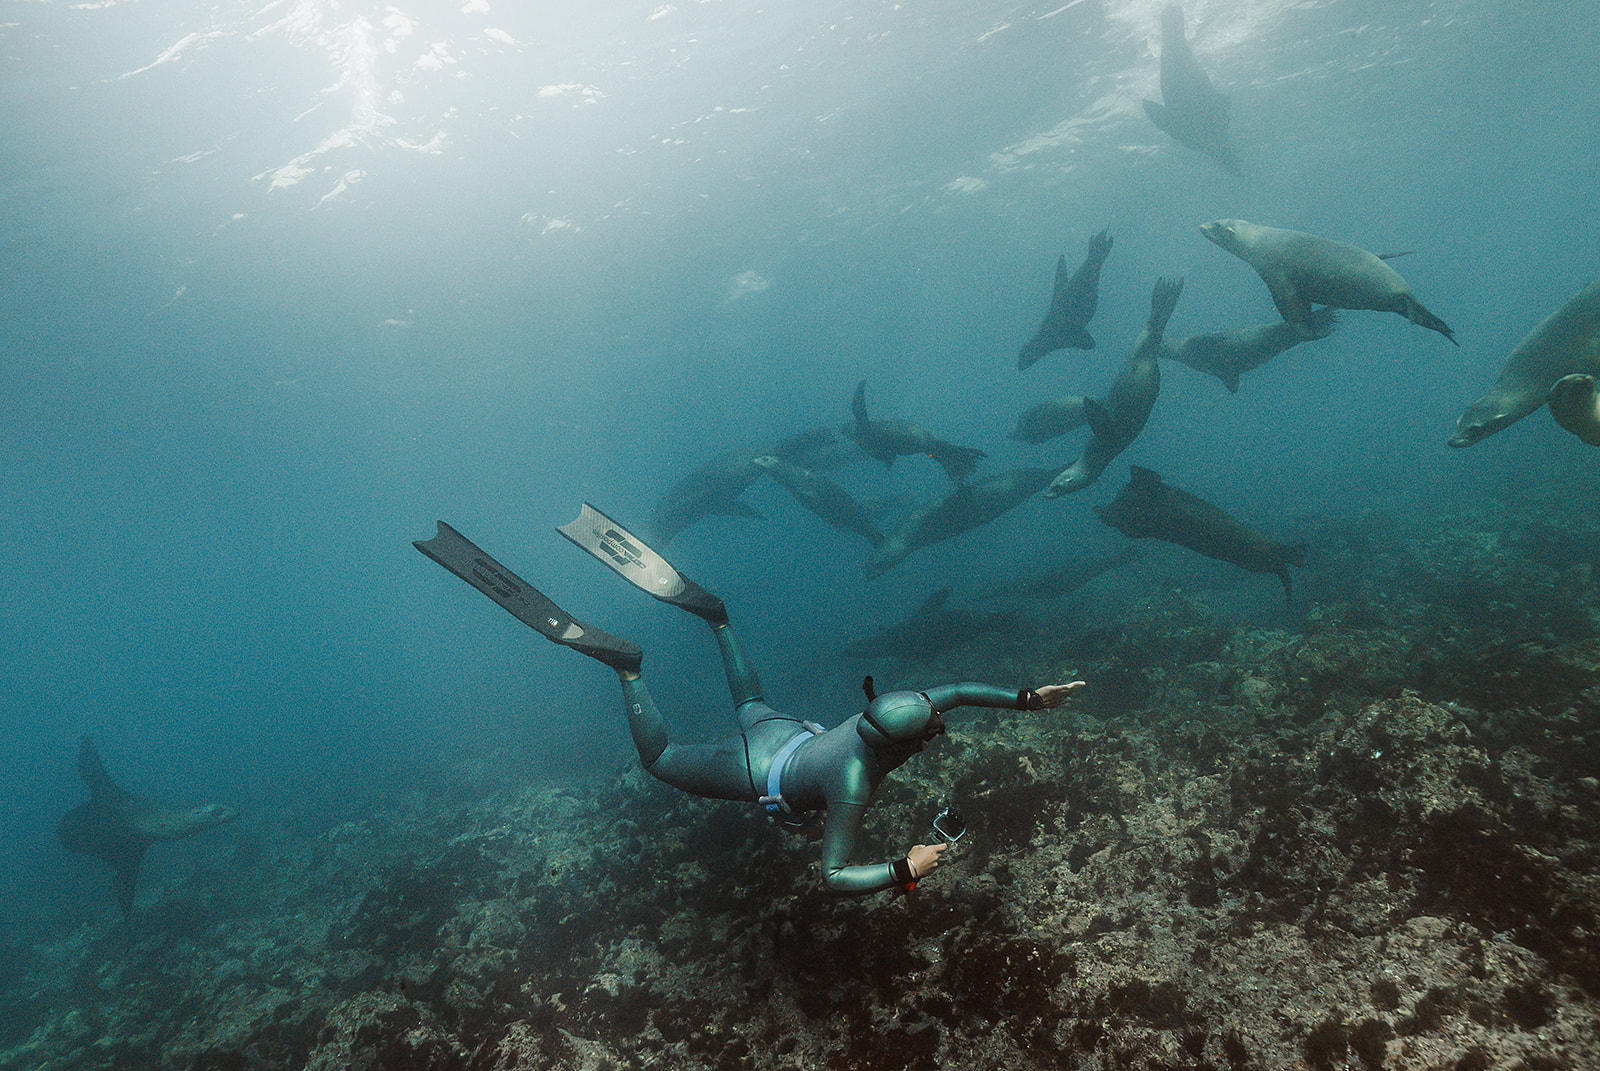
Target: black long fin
524	602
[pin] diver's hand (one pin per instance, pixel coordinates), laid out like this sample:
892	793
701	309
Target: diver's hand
1053	695
923	858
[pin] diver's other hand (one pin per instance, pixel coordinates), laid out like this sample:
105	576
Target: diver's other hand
1053	695
923	858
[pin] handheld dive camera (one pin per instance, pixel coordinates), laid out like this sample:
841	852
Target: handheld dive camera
949	826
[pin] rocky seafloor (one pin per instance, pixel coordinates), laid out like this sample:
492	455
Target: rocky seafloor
1367	836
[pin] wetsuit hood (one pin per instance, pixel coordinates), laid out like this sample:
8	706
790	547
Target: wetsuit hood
899	718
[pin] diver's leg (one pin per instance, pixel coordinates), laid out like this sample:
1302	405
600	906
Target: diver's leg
743	684
749	705
719	771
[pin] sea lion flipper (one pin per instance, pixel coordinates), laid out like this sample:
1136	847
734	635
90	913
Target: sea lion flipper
858	405
125	875
101	788
1099	419
1058	291
1291	304
1418	314
932	602
1079	339
1161	116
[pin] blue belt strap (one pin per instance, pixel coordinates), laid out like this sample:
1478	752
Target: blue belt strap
774	800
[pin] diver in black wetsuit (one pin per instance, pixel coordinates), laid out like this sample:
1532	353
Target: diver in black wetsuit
796	769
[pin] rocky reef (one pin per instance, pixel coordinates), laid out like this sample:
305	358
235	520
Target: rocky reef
1366	835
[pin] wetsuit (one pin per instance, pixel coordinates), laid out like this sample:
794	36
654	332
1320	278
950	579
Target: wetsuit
835	771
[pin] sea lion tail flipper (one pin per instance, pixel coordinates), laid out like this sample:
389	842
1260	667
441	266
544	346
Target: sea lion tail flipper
1079	339
1230	380
1418	314
626	555
1100	244
858	406
93	772
1163	299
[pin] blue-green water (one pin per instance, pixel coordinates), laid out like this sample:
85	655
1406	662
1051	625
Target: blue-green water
282	285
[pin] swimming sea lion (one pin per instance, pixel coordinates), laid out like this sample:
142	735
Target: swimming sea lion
1302	270
963	509
1229	354
1574	404
714	487
821	496
889	439
1193	112
1146	508
1072	305
118	827
932	629
1118	420
1063	579
1566	343
1047	420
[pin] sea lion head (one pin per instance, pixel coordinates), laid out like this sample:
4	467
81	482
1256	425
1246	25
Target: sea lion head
1480	421
1228	233
171	823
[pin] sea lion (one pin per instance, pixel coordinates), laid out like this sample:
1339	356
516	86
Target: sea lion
1567	342
1047	420
1302	270
963	509
889	439
714	487
934	628
1063	579
1118	420
1072	305
118	827
1193	112
821	496
1229	354
1574	405
1146	508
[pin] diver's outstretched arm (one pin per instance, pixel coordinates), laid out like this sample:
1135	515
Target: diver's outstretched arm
972	694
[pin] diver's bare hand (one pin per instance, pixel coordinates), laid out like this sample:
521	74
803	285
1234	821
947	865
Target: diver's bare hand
1053	695
923	858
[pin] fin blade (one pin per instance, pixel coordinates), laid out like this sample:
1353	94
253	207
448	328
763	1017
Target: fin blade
627	555
521	599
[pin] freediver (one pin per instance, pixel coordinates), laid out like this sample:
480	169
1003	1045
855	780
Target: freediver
797	770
